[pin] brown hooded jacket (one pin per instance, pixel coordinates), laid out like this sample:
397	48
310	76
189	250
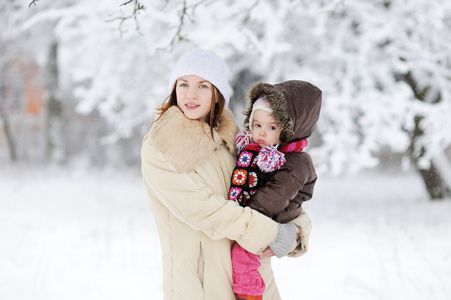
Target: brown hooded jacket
296	105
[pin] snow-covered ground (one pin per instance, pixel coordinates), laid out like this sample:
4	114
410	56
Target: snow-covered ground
68	234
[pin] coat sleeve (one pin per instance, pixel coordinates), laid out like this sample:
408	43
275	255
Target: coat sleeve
188	198
294	181
305	225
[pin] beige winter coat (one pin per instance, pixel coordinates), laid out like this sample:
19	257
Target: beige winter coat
187	177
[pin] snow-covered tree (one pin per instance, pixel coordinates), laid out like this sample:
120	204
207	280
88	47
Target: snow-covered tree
383	66
388	85
6	55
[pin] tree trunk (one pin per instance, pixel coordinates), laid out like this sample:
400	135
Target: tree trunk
7	128
435	183
55	148
433	177
434	180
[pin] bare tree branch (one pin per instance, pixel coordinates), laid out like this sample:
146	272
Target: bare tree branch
178	36
32	3
137	7
178	33
125	3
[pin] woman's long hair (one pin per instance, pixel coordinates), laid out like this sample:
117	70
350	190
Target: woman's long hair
216	108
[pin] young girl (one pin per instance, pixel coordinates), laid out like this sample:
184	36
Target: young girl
187	159
273	175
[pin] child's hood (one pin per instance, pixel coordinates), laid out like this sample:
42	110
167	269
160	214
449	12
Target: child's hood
296	105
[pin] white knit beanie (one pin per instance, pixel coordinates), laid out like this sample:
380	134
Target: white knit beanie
206	64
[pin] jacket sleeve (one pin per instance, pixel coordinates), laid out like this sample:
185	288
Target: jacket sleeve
305	225
291	185
189	199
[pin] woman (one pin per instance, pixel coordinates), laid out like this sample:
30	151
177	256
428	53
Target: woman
187	159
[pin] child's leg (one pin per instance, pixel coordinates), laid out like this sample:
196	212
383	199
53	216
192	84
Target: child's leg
246	278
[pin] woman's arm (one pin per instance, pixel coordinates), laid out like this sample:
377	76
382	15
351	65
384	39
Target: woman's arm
189	199
300	246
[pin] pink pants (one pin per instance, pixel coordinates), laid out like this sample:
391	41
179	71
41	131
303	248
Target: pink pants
246	279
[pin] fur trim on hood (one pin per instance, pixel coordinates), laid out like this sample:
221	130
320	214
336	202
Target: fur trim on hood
184	142
296	106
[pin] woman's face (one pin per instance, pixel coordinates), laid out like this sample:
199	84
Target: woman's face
194	96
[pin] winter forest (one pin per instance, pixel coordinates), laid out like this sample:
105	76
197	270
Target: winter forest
79	83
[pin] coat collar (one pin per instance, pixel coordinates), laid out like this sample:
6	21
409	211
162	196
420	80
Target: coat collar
184	142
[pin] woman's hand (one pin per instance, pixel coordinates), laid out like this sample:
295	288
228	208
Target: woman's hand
269	253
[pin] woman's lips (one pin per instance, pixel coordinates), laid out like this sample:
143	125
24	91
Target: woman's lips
191	106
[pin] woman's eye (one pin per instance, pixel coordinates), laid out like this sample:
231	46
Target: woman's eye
183	85
204	86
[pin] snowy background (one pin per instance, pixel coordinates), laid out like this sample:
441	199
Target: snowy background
93	71
79	82
69	234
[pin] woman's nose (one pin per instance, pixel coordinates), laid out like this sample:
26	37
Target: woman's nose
191	93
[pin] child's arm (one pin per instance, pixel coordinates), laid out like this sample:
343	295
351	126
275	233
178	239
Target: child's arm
282	196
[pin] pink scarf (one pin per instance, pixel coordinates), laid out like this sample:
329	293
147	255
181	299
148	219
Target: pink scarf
269	158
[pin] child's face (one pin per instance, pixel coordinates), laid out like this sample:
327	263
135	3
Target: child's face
265	130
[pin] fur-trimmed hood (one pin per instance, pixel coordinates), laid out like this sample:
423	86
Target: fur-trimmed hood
296	105
185	142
